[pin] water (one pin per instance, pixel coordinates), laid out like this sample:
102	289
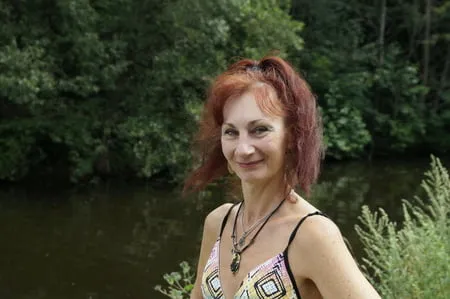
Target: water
118	240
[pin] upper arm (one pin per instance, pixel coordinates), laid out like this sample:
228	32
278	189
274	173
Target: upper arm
211	229
327	261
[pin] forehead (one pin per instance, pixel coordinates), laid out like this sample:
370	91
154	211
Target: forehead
259	102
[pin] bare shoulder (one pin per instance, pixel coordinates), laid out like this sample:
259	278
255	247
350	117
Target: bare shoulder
319	231
316	234
214	219
319	254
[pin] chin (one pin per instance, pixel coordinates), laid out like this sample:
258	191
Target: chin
254	178
259	176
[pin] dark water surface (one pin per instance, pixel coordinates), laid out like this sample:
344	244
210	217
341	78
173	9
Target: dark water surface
116	241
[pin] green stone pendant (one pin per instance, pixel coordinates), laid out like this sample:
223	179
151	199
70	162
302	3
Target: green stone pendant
235	262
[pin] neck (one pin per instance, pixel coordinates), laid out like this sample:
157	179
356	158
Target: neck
261	199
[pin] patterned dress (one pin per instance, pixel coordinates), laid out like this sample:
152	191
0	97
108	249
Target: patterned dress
272	279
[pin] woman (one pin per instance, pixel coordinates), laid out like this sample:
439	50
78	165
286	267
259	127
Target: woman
261	124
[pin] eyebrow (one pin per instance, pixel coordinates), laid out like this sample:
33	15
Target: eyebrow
250	123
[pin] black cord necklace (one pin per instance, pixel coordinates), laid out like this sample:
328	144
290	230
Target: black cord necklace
236	260
246	233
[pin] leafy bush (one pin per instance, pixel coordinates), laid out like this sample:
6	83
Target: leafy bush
345	133
115	88
412	261
180	284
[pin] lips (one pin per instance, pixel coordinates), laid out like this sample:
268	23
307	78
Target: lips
248	164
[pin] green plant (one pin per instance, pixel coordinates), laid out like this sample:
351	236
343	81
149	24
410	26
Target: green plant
180	284
412	261
95	89
345	133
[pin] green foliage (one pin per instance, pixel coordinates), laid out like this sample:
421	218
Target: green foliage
412	261
116	87
13	160
346	134
381	89
397	111
180	284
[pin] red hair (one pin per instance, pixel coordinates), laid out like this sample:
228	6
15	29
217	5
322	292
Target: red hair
299	109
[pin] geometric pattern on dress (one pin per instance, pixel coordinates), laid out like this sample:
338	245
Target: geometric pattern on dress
270	286
213	284
269	280
211	288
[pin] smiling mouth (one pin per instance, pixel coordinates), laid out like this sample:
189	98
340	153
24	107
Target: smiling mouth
249	164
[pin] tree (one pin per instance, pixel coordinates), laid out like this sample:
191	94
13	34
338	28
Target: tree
114	88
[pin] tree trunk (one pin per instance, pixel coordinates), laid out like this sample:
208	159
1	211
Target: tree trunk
443	82
381	34
416	28
426	43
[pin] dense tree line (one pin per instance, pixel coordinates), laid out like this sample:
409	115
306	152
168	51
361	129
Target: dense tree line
115	87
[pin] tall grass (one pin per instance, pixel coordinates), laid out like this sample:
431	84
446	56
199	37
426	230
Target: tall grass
411	261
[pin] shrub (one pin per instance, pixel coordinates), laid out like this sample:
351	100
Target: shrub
412	261
180	284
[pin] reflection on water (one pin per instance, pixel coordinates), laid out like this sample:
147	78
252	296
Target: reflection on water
344	188
116	242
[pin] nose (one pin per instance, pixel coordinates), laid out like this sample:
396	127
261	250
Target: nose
244	148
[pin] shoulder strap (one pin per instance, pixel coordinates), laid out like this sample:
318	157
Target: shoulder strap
224	221
294	232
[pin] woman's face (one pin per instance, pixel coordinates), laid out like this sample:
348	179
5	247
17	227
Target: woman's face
253	142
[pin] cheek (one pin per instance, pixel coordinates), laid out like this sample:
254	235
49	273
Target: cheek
275	147
226	149
272	144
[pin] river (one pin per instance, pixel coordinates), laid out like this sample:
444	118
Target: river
117	240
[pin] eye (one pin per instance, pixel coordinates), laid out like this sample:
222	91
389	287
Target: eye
260	130
230	132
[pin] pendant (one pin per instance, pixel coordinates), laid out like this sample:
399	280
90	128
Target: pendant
242	241
235	262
